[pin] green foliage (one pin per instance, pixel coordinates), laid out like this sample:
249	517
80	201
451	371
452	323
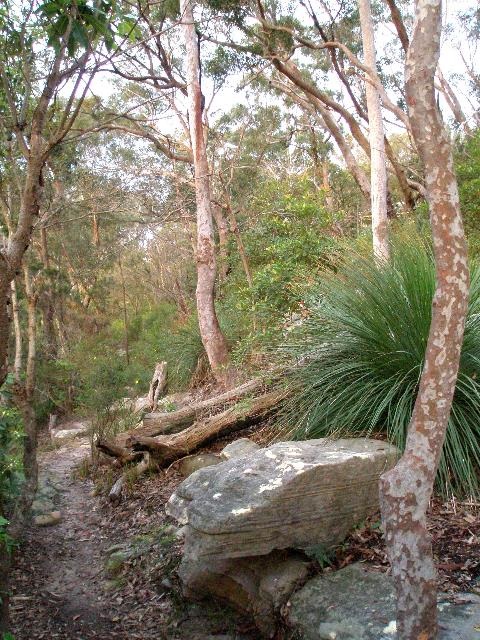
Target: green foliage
6	540
81	22
234	11
468	173
55	388
286	249
362	350
11	433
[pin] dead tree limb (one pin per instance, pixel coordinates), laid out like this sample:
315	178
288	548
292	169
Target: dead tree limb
163	422
144	465
116	451
157	385
165	449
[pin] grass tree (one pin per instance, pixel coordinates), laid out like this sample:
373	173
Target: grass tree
405	491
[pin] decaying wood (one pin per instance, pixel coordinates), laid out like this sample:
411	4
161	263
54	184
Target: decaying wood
157	385
166	449
115	494
163	422
116	451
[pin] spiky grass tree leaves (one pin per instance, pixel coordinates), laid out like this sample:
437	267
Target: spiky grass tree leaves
360	356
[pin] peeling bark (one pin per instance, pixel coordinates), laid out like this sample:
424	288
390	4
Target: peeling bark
406	490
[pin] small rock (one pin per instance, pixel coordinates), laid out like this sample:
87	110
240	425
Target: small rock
167	583
141	404
48	519
42	506
74	430
180	533
190	464
240	447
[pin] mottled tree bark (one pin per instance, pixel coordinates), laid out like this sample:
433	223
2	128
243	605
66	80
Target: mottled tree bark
212	337
378	163
17	365
406	490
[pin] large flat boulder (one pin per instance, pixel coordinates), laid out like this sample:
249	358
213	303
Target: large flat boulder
356	603
289	495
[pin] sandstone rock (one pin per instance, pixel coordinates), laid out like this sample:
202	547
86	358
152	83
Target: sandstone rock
357	604
240	447
289	495
190	464
48	519
256	586
70	430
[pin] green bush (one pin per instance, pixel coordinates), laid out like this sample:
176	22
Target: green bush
361	353
11	436
467	165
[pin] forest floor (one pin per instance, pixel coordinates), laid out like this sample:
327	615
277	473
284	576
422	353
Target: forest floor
108	572
105	572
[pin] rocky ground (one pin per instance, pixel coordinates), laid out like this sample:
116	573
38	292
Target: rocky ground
103	572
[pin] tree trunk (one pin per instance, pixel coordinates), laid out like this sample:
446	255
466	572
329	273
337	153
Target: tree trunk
378	164
95	230
238	239
17	365
406	490
212	337
157	385
329	204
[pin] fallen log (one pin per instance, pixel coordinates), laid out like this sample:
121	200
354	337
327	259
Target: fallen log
116	451
158	423
115	494
167	448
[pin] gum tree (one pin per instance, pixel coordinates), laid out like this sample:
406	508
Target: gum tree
212	336
405	491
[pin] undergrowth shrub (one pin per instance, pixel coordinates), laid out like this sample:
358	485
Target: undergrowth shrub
11	449
360	355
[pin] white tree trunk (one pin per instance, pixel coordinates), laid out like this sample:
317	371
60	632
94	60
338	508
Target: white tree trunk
211	334
378	166
406	490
